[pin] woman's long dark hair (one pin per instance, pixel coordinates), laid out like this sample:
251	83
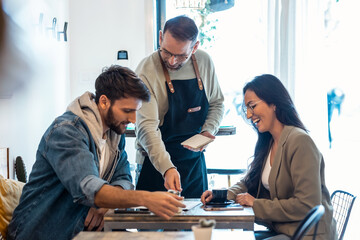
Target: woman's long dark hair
269	89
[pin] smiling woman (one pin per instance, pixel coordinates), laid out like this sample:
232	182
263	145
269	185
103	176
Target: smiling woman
275	110
286	176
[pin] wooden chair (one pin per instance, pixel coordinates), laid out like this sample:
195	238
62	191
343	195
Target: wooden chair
342	204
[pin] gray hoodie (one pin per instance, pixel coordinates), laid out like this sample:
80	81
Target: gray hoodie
86	108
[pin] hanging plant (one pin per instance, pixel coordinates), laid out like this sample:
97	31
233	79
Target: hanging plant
206	27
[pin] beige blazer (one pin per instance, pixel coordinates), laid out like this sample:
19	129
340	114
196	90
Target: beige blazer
296	184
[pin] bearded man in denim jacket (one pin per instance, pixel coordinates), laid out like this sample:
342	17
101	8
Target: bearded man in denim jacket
81	167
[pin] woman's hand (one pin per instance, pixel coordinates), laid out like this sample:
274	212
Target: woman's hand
206	197
245	199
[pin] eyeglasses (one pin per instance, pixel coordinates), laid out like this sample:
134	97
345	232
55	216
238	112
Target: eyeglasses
179	57
251	106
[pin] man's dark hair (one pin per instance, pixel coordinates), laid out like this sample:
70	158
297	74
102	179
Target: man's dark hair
182	28
118	82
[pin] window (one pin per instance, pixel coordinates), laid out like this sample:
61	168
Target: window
320	40
236	39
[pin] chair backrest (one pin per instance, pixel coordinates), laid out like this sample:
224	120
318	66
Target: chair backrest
342	204
312	218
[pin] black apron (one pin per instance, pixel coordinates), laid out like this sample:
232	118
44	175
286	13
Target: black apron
188	109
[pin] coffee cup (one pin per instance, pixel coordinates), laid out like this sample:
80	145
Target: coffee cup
177	193
201	233
219	195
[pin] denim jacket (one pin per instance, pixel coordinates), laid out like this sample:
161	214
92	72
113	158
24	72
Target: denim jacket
63	182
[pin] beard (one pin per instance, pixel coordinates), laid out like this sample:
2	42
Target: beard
173	68
110	121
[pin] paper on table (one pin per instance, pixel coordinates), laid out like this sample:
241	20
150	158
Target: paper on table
197	141
189	204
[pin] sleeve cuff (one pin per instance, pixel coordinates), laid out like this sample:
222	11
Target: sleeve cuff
126	185
90	185
209	129
231	195
165	168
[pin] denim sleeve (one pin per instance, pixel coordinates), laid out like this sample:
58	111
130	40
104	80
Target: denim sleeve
68	151
122	176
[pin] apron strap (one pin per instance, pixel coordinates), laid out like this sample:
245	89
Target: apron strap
167	76
196	68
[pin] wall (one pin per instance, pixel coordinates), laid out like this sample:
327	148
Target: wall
44	63
61	71
99	29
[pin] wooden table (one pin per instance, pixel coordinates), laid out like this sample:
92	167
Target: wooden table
216	234
231	219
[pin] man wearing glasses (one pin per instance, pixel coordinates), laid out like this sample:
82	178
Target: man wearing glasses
186	100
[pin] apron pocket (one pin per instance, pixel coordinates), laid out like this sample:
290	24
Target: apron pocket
194	109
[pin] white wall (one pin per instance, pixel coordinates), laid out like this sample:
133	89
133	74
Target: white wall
26	115
99	29
62	70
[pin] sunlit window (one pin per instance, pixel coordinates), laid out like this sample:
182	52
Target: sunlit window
322	42
234	33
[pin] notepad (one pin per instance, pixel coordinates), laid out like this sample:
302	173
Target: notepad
190	204
197	141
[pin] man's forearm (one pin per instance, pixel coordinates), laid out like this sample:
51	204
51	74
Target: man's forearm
115	197
163	204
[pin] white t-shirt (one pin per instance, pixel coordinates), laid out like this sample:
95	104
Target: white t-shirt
104	158
266	173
